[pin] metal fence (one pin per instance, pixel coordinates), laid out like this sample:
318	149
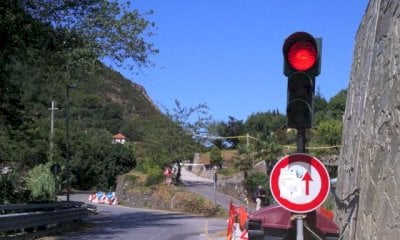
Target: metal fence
27	221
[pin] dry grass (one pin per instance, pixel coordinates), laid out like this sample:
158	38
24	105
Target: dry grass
229	155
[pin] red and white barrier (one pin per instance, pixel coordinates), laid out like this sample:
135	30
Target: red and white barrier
237	217
103	198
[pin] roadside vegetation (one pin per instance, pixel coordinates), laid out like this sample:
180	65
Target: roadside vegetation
46	48
143	192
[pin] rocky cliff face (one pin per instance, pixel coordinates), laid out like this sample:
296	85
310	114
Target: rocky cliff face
369	167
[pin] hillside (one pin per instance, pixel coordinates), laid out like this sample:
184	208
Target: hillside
39	63
44	55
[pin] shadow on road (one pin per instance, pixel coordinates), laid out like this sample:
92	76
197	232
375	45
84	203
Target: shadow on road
127	225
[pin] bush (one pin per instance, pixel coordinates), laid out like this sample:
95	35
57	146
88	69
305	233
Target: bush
154	172
228	171
40	182
254	180
165	197
154	179
195	204
215	156
329	203
11	188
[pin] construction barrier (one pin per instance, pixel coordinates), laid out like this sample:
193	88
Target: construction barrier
108	198
236	223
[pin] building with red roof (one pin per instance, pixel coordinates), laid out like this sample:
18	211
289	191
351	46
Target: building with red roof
119	138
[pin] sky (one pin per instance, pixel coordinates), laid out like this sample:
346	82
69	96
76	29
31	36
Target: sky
227	54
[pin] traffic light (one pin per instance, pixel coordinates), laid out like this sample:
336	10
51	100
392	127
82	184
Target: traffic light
302	63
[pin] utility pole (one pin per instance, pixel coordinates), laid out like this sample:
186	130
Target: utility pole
69	87
247	141
215	179
52	109
248	150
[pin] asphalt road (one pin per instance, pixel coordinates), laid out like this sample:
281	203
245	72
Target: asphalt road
207	191
119	222
205	187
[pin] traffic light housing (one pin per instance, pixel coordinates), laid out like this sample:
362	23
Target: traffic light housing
302	63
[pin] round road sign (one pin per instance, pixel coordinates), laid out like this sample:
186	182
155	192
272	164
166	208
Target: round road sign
299	183
55	169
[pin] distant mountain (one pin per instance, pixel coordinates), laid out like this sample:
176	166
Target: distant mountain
37	63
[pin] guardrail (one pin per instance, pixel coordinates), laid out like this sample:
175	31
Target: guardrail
27	221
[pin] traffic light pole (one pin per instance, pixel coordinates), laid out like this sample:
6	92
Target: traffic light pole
301	148
301	140
302	63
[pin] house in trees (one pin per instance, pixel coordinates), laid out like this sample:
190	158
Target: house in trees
119	139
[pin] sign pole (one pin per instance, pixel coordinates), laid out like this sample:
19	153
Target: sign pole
299	227
215	178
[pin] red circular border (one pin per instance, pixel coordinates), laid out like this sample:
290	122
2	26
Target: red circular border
294	207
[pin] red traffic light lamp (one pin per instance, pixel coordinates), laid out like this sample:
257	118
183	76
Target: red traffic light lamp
302	55
301	52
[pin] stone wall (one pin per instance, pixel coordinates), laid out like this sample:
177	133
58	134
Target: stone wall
369	169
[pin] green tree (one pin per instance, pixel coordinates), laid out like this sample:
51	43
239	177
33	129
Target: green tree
12	189
245	161
266	148
320	107
216	129
88	154
172	137
166	142
13	47
334	109
96	162
194	120
329	117
215	156
233	128
267	124
134	128
99	28
337	104
120	160
329	132
43	46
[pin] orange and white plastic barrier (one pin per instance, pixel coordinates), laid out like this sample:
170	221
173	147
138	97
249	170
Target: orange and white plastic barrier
237	218
244	235
103	198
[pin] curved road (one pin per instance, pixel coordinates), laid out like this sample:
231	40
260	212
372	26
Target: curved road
205	187
119	222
